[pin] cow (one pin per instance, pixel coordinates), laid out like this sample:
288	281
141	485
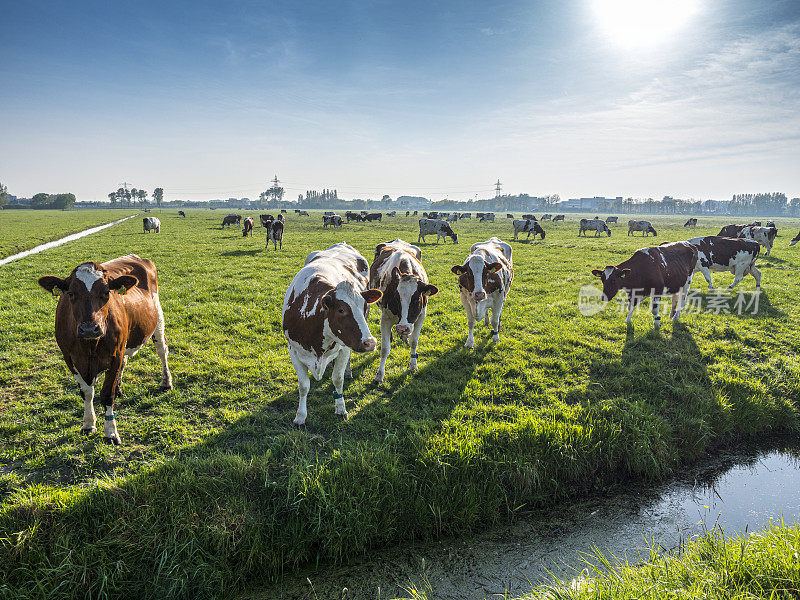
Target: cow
363	213
509	216
231	220
408	212
328	213
332	220
265	220
795	240
452	218
442	229
531	217
181	213
303	213
487	217
484	280
528	226
324	320
596	225
644	226
655	271
297	210
352	216
373	217
275	233
283	211
281	218
151	224
770	224
546	217
392	213
106	313
611	220
691	223
558	218
716	253
763	235
414	214
466	215
398	273
247	229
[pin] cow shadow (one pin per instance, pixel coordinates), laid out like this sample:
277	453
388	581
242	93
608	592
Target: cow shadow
743	303
242	252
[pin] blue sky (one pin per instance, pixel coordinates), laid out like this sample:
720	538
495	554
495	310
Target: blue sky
578	97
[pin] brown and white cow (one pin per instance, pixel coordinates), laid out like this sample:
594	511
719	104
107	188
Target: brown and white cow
105	314
484	280
529	226
398	273
763	235
716	253
441	228
324	319
795	240
247	229
656	271
275	233
231	220
266	219
644	226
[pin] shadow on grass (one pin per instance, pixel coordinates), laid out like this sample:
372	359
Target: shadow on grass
243	252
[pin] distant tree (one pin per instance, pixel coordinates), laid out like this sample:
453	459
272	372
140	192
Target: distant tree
40	200
134	194
3	195
142	194
62	201
386	199
158	196
112	197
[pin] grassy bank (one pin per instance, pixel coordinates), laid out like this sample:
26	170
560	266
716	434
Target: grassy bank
24	229
715	567
213	488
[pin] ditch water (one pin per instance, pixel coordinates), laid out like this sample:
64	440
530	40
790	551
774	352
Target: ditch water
64	240
739	492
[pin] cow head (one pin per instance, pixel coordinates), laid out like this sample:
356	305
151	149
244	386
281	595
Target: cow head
479	278
449	231
652	230
410	299
344	312
607	229
87	292
538	229
613	279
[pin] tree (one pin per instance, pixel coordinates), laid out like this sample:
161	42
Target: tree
62	201
158	196
3	195
142	194
113	197
40	200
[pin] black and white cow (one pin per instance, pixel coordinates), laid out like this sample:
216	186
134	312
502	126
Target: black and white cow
763	235
398	273
265	220
644	226
558	218
484	280
528	226
442	229
795	240
736	255
596	225
547	217
331	220
691	223
275	233
324	319
151	224
612	220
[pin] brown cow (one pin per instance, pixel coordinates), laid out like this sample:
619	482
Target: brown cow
105	314
248	227
324	319
231	220
656	271
398	273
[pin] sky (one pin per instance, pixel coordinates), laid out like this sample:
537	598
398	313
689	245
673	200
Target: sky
635	98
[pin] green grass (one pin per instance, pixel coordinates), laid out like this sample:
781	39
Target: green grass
714	567
24	229
214	489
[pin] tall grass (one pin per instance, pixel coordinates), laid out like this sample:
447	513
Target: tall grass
213	488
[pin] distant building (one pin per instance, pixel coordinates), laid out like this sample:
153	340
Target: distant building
413	201
589	204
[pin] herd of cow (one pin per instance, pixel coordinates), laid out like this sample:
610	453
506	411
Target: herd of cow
107	312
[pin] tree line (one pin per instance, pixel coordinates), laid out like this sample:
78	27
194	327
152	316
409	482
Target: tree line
127	197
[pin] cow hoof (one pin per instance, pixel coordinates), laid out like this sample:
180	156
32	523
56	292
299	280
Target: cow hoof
165	386
342	414
468	345
113	440
377	379
88	430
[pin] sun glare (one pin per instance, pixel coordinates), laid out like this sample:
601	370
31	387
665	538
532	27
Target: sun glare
642	23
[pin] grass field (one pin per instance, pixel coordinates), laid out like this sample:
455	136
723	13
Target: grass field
24	229
213	488
715	567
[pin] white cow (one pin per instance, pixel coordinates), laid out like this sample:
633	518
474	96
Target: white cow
151	224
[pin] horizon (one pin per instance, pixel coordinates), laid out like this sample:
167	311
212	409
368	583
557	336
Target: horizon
694	100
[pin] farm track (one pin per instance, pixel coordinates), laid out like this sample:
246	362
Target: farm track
213	488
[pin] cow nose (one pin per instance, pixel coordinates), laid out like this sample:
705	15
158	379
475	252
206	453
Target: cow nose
479	296
88	330
403	329
367	345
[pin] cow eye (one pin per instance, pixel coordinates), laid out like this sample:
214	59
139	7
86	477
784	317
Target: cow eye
71	295
341	311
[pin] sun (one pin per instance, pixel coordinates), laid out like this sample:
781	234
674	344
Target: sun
641	24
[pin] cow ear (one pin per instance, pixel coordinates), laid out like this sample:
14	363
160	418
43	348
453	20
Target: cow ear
371	295
597	272
430	290
458	270
396	273
52	283
494	267
327	301
624	273
123	283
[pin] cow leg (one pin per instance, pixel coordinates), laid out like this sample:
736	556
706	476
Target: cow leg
633	302
756	275
471	316
160	341
121	371
655	304
497	312
707	274
107	397
679	299
414	340
303	385
89	418
738	275
386	345
339	365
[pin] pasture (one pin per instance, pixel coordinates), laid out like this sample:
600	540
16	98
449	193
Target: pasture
24	229
213	488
